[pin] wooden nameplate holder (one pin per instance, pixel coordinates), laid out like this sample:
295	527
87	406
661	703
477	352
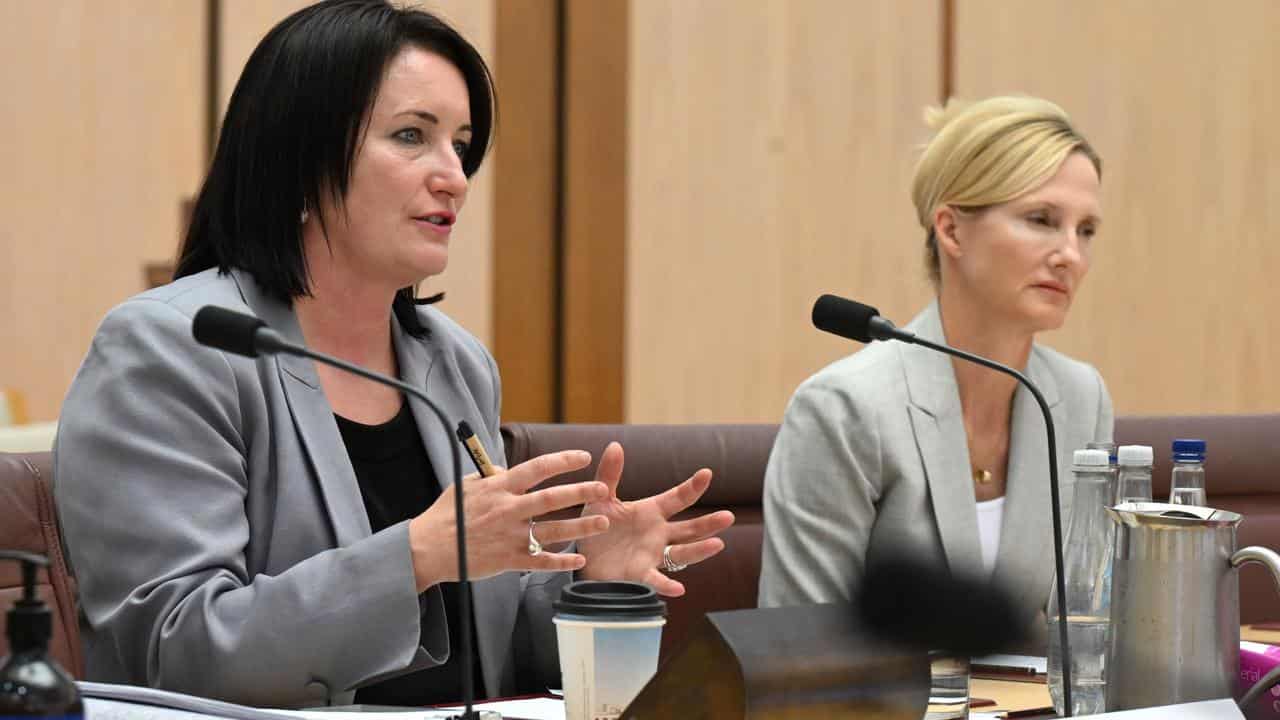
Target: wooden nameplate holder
780	663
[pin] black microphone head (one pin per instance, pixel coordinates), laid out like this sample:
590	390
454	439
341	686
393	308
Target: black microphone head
226	330
845	318
923	604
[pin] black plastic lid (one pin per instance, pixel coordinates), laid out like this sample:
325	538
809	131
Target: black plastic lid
29	627
29	623
610	598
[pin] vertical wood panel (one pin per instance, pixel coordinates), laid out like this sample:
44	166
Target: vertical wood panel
595	206
103	135
244	22
525	223
1182	105
770	154
468	281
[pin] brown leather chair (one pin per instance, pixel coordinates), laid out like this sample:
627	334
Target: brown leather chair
662	456
29	522
1244	452
1243	455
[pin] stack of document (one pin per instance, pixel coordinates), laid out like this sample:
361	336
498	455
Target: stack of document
105	701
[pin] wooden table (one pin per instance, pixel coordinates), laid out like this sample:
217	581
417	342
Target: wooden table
1012	696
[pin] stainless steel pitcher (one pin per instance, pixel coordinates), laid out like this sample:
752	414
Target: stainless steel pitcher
1175	604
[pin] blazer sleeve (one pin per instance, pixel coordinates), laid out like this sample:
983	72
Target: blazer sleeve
819	499
151	481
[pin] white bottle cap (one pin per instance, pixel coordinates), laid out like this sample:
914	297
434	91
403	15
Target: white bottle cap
1134	455
1091	458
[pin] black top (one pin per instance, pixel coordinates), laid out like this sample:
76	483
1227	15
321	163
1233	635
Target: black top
397	483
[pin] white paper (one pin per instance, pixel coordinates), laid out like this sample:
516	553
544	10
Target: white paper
532	708
1224	709
365	714
1039	665
160	704
173	700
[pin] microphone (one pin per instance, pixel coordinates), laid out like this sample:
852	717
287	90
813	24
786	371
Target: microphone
855	321
863	323
923	605
241	334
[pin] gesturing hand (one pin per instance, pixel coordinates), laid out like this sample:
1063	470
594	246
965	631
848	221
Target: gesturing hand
498	510
639	530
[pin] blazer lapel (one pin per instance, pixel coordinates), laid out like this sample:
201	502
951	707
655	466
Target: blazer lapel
313	417
418	362
1025	560
494	600
939	432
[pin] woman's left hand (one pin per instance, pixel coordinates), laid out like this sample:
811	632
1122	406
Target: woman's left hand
639	530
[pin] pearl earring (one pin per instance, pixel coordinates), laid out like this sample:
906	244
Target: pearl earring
302	219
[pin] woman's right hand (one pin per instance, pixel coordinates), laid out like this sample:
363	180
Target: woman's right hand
498	510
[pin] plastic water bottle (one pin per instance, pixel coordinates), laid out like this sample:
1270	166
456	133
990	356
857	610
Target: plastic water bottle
1110	449
1187	484
1134	484
1087	566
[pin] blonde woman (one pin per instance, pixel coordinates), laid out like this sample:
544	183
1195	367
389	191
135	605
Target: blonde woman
898	448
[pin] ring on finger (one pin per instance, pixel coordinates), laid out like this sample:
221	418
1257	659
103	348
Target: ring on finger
535	547
670	565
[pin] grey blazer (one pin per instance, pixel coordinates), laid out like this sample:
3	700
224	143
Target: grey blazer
214	522
872	457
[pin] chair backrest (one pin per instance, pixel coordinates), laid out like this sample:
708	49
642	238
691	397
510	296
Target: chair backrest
1243	457
1242	474
29	522
662	456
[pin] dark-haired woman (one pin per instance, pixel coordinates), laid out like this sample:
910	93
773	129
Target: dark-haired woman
277	533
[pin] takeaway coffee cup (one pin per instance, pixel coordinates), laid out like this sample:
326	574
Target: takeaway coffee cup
609	634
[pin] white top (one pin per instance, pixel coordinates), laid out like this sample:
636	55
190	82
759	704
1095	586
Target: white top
990	515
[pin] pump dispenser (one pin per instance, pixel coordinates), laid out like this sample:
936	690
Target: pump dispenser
31	683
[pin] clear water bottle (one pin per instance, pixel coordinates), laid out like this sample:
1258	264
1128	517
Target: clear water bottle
1187	484
1134	483
1087	566
1110	449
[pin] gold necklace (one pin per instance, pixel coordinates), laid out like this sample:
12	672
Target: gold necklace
982	477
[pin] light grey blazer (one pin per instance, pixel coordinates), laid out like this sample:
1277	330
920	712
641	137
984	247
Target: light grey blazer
872	458
214	522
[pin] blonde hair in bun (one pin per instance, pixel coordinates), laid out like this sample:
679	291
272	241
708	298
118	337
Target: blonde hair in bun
988	152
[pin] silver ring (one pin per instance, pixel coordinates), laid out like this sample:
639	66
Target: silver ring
535	547
670	565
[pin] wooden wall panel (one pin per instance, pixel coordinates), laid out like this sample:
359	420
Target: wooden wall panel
468	282
244	22
1181	100
596	122
102	128
770	154
526	207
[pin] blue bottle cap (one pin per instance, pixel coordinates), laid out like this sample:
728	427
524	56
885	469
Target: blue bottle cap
1188	450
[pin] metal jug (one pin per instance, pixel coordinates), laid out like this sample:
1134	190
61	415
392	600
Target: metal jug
1175	604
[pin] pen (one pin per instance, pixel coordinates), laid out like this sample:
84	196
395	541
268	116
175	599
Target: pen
475	450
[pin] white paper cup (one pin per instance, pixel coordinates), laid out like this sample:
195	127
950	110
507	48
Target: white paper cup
609	633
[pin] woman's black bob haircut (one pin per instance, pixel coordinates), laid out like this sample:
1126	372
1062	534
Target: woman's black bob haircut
292	129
